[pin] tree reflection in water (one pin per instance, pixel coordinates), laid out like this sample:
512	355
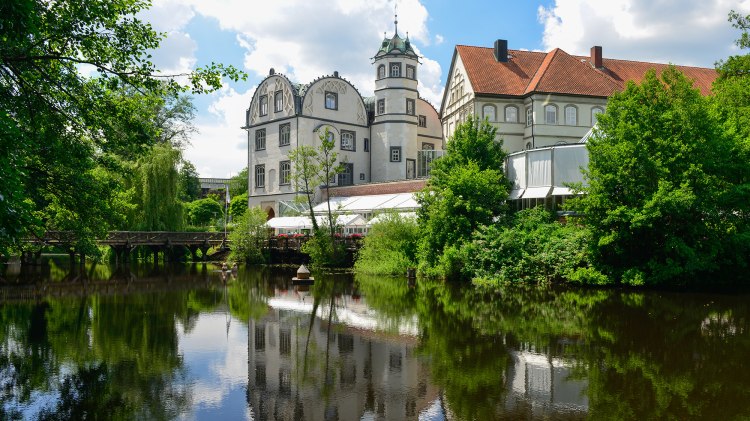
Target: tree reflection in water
105	341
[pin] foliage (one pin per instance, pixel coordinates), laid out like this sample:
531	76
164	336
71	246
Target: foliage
189	182
390	246
732	87
246	239
668	197
533	247
312	167
156	188
238	205
467	189
203	212
238	183
63	123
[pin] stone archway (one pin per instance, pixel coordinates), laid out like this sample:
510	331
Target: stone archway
270	212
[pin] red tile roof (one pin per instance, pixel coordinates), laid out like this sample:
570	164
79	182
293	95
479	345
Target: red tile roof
527	72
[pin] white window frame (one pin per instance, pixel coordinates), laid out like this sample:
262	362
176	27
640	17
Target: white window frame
348	140
529	116
263	105
571	115
550	114
422	121
381	71
334	103
285	136
491	107
381	106
410	106
260	176
260	139
285	173
594	112
514	114
278	101
395	154
395	70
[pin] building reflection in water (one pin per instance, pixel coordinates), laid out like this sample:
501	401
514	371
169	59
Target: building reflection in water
337	365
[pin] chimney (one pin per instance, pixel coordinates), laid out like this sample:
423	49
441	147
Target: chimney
501	51
596	56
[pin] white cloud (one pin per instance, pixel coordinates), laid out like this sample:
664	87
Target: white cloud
690	32
439	39
176	53
219	149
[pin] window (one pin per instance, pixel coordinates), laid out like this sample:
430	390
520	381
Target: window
395	153
381	71
260	175
260	139
395	69
488	112
332	101
594	114
529	116
346	177
411	72
278	101
511	114
367	145
263	104
411	168
284	134
422	121
348	140
381	106
362	176
330	137
550	114
410	106
285	172
528	145
428	146
571	115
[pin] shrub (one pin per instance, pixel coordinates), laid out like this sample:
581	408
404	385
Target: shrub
247	237
389	247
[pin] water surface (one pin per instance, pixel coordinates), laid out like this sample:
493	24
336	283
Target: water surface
189	342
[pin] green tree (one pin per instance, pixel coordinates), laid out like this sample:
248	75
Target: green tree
248	235
203	212
189	182
732	87
668	194
238	183
466	189
156	185
56	123
238	205
305	176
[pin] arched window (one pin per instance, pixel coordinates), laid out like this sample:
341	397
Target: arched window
594	112
571	115
550	114
381	71
395	69
511	114
528	145
488	112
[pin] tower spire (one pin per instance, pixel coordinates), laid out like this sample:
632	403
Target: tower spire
395	12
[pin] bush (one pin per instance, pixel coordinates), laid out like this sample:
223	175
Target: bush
389	247
248	236
204	211
323	250
532	248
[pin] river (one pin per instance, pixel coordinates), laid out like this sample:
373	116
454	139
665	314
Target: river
190	342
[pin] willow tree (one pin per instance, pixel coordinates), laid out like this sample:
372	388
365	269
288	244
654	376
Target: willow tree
156	190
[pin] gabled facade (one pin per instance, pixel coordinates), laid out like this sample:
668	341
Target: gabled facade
376	138
540	99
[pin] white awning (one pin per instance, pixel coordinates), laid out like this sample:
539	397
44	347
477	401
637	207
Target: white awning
516	194
537	192
562	191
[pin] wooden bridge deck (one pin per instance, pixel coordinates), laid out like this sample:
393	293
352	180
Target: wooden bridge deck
137	238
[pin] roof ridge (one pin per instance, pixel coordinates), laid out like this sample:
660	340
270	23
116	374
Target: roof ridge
541	70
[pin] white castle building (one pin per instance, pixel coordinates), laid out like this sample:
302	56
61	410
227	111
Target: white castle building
376	138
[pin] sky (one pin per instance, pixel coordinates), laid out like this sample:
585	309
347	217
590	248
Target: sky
306	39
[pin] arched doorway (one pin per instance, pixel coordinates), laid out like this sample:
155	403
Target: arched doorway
270	213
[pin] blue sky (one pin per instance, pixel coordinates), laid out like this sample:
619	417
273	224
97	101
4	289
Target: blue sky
305	39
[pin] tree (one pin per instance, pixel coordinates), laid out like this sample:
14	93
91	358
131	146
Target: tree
390	246
305	175
238	183
189	182
668	197
238	205
466	189
203	212
156	185
58	124
732	87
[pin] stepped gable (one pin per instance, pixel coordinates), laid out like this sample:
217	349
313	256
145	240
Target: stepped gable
527	72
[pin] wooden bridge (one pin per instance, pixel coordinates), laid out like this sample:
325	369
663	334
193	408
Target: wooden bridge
124	242
282	250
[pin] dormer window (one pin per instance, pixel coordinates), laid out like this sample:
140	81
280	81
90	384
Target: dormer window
395	69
